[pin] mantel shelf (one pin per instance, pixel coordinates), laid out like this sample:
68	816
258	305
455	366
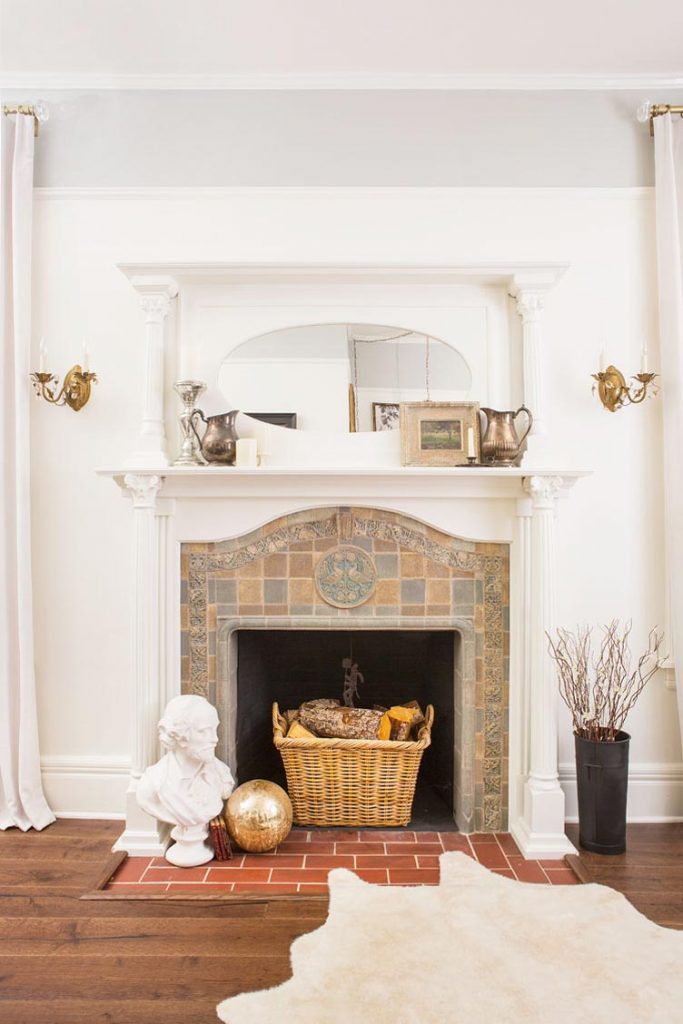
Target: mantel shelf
343	484
451	472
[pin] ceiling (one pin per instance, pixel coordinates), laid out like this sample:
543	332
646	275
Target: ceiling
349	44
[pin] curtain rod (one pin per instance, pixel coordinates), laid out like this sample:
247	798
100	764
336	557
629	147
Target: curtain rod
38	111
649	111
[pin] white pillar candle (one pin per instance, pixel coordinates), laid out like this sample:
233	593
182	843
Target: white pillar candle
643	358
43	357
602	360
470	443
85	364
246	452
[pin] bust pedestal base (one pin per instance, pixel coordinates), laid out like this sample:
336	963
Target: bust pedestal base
190	847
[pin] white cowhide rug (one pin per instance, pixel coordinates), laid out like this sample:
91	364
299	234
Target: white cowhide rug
477	948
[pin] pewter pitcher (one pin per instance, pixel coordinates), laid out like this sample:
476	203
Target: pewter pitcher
500	443
218	444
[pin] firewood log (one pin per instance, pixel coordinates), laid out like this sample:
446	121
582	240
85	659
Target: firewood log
341	722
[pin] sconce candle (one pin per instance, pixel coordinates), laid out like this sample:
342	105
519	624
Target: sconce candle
43	356
615	393
74	392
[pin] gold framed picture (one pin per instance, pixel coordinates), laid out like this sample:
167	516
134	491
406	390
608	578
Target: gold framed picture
440	433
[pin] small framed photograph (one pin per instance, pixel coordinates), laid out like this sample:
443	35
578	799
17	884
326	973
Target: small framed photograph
439	433
385	416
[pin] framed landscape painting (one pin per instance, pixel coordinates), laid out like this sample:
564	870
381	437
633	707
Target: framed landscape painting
439	433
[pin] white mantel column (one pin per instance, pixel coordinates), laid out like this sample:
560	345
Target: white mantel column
529	289
143	835
539	831
156	293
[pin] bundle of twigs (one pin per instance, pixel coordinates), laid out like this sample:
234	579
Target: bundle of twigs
601	691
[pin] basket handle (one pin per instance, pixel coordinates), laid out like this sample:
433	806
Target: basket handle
425	732
279	723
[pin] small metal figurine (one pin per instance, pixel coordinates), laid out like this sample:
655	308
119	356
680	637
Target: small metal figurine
352	677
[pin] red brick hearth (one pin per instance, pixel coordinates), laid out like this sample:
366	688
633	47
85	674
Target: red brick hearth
301	864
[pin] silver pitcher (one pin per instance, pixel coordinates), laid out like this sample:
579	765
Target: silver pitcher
500	443
189	391
219	443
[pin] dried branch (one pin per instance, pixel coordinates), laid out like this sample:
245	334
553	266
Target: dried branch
600	703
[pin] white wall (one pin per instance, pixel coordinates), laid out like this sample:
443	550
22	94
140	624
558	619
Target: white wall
610	557
334	137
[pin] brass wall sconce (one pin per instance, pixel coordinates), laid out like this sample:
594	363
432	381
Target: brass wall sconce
75	390
615	393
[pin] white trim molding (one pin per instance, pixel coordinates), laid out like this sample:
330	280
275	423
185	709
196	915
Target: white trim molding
191	193
361	81
655	791
87	785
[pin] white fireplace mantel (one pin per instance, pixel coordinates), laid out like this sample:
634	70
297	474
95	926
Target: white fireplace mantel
173	505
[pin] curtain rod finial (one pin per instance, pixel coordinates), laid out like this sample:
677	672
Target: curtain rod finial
644	112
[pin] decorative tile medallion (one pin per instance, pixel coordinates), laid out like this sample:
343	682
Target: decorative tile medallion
345	577
398	573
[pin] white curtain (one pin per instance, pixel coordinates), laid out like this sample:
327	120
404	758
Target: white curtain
22	803
669	200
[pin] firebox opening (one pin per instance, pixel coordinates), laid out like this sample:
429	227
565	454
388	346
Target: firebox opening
291	666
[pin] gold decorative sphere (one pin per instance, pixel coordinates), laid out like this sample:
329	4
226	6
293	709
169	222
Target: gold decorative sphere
258	815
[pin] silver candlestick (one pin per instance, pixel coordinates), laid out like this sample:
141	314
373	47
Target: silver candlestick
189	392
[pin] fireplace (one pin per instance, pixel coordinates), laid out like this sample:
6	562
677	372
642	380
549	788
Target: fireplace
292	665
496	593
496	589
252	605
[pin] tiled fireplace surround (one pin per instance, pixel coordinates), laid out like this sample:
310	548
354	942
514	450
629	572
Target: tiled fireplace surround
426	580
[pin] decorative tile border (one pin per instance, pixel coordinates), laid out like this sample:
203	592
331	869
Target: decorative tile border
426	579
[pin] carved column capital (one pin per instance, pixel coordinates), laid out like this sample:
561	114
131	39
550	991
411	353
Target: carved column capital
530	304
155	306
143	488
543	490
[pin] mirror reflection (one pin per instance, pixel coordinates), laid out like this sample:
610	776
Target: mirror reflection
341	377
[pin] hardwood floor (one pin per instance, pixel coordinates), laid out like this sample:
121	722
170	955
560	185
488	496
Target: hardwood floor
69	961
650	873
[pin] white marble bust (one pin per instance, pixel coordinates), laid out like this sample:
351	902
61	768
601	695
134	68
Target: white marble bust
189	785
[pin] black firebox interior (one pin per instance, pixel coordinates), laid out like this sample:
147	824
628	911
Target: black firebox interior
291	666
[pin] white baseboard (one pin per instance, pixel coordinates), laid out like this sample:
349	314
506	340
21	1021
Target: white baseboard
655	792
86	786
90	786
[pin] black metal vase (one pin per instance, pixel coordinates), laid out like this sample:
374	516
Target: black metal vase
602	784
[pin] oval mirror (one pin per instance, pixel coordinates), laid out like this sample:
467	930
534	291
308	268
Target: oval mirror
341	377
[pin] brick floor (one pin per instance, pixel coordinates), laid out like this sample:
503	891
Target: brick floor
302	862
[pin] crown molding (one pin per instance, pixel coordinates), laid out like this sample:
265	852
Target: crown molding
360	81
193	193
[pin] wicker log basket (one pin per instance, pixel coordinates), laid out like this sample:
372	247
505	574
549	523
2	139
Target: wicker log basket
351	782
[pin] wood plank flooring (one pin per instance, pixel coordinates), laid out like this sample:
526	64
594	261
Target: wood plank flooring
650	873
67	961
70	961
